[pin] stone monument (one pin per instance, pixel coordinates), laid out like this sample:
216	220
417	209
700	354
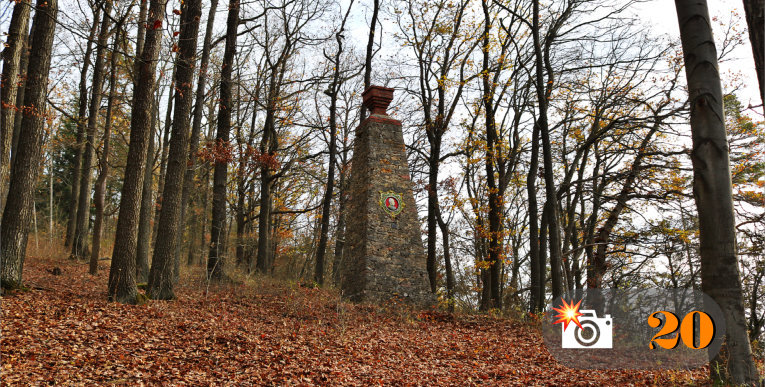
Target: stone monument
384	256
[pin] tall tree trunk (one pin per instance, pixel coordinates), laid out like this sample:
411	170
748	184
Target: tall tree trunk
166	128
370	53
196	127
495	199
79	245
9	84
544	129
340	233
99	196
537	271
162	264
241	186
79	147
201	218
122	272
434	157
15	223
143	244
217	250
264	217
241	192
713	192
20	95
146	206
450	281
755	20
328	192
141	35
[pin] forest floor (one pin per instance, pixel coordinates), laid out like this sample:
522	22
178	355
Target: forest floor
262	332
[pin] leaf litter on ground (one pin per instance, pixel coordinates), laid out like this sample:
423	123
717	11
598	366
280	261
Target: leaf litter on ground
262	332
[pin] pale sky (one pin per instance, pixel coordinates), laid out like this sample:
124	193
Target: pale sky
662	16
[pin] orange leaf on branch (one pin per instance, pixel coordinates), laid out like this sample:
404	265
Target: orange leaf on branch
217	152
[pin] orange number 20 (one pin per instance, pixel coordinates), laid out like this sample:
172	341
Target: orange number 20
688	332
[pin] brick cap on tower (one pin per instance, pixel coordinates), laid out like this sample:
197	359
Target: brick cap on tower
377	99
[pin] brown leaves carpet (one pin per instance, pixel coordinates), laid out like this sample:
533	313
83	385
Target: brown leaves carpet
261	332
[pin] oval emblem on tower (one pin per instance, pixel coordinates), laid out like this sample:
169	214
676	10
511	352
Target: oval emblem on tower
391	202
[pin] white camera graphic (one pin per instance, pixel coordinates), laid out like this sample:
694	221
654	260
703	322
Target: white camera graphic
596	332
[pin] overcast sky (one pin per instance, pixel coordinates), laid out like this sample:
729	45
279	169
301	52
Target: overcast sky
659	14
662	16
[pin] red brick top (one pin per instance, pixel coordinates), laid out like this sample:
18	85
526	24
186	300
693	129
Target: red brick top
377	99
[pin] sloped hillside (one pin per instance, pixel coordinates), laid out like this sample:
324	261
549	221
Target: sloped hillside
256	332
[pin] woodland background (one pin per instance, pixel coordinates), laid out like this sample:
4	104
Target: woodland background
549	142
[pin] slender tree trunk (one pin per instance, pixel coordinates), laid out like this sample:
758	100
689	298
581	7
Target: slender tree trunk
553	227
144	217
141	35
434	157
15	223
755	20
143	244
50	200
217	250
167	127
370	53
712	191
9	85
543	233
196	127
79	147
450	281
162	264
241	192
340	234
264	222
100	195
79	245
537	271
201	218
328	192
495	198
20	95
122	272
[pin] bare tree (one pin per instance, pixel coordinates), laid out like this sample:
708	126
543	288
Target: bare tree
82	108
83	211
217	250
26	166
17	35
99	196
334	87
370	51
161	273
122	287
713	192
196	127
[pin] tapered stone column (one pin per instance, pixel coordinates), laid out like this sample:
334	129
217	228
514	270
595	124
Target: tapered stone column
384	255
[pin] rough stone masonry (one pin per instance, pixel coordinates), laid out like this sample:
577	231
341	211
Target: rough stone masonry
384	256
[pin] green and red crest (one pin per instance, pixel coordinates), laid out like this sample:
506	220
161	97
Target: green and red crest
391	202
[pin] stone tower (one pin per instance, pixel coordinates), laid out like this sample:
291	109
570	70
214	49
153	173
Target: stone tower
384	256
